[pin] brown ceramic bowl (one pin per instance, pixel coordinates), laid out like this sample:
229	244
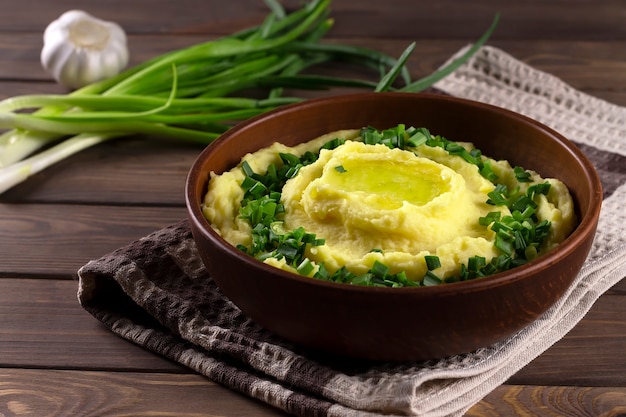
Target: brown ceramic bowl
395	324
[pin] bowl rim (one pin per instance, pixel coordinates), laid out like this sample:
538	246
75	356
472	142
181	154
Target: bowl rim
585	226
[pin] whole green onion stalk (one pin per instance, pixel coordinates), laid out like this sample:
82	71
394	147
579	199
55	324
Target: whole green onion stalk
197	93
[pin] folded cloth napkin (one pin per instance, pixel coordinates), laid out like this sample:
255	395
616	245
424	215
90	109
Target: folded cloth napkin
156	292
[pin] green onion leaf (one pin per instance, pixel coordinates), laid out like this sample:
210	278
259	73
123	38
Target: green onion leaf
504	245
379	269
431	279
432	262
521	174
305	267
475	263
497	197
491	217
487	172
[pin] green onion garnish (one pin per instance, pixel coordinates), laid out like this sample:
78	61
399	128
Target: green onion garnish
518	236
521	174
432	262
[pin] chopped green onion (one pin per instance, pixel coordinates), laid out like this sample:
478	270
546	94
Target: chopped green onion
530	252
522	203
491	217
542	188
379	269
476	262
432	262
518	236
497	197
431	279
289	159
504	245
487	172
305	267
333	144
417	139
322	273
521	174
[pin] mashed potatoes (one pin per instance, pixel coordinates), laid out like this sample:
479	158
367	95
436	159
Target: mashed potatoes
371	203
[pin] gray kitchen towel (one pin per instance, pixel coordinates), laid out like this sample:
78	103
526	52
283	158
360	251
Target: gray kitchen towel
156	293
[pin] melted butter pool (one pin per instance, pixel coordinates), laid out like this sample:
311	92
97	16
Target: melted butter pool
390	183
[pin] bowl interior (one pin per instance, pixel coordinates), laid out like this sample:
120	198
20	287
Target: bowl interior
497	132
278	300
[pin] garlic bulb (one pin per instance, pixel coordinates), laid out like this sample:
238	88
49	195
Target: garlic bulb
80	49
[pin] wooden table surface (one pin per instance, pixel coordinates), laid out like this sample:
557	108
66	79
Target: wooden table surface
56	360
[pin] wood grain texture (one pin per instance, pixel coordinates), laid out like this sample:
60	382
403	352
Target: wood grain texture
580	357
125	171
37	393
551	401
57	239
392	18
43	326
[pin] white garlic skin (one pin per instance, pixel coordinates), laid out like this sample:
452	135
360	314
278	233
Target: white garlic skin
80	49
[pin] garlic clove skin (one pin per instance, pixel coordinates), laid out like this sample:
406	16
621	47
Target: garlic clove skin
80	49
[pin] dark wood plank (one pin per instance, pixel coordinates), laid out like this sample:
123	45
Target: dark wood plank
559	19
16	88
58	393
584	64
620	287
519	20
43	326
181	17
19	53
542	401
56	240
600	335
128	171
47	393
